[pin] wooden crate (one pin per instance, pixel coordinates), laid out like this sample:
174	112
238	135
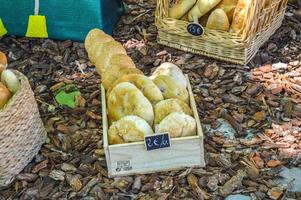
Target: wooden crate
132	158
239	48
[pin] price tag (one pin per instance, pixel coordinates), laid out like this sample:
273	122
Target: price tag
195	29
157	141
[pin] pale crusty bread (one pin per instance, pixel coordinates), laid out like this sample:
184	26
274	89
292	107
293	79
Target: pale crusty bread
94	46
130	128
170	88
178	124
144	84
113	73
121	60
201	8
172	70
178	10
165	107
218	20
108	50
240	15
127	99
228	6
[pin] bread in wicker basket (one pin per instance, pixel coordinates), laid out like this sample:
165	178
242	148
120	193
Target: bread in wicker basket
22	132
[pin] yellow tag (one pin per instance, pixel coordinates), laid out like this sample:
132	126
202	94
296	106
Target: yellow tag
3	30
37	27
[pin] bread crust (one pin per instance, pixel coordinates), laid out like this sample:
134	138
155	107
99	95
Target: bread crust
127	99
144	84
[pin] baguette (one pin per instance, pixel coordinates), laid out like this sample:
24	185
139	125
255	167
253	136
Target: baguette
181	8
240	15
201	8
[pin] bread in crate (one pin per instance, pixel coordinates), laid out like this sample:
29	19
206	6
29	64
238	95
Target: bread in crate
234	30
135	106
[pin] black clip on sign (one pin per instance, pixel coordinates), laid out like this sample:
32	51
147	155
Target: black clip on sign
157	141
195	29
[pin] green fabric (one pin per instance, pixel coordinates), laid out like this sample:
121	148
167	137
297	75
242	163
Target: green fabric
66	19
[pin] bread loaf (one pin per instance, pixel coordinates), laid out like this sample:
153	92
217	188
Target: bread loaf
168	106
240	15
127	99
171	70
121	60
218	20
179	9
144	84
115	72
228	6
3	62
178	125
108	50
170	88
5	95
201	8
130	128
94	42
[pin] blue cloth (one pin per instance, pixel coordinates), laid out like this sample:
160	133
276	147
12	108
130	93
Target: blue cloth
66	19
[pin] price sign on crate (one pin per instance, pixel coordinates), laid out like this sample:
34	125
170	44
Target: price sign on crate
157	141
195	29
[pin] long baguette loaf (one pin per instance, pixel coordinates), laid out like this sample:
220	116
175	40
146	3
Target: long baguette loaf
201	8
240	15
181	8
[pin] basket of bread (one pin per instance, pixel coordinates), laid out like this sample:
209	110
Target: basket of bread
135	106
21	129
228	30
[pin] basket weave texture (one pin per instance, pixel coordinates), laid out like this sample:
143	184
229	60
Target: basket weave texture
238	48
21	132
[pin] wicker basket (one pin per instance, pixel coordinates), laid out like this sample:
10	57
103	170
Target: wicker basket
235	48
21	132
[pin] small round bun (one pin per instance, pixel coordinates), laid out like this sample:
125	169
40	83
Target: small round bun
168	106
144	84
171	88
130	128
113	73
127	99
107	51
178	124
172	70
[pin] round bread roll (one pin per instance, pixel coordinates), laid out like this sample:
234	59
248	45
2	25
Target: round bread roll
165	107
172	70
127	99
178	125
107	51
171	88
144	84
130	128
121	60
113	73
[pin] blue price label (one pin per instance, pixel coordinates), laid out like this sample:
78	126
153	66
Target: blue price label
195	29
157	141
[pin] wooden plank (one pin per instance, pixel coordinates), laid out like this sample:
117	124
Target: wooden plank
105	128
134	159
